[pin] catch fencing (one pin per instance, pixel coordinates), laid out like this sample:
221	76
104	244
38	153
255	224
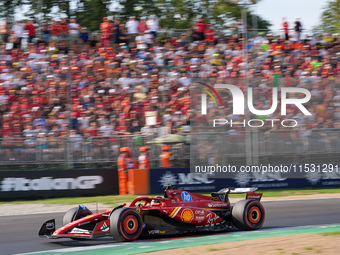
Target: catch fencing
231	147
271	147
79	152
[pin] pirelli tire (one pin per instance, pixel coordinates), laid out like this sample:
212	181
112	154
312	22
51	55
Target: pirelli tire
248	214
126	224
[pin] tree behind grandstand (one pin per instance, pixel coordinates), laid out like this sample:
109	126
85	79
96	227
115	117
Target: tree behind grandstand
178	14
330	17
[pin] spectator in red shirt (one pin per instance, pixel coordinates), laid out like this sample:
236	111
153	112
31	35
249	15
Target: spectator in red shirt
31	30
55	30
142	26
123	127
63	29
209	33
106	31
6	129
285	28
92	130
199	28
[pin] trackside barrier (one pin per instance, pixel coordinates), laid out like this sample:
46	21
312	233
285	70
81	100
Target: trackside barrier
202	182
139	182
38	184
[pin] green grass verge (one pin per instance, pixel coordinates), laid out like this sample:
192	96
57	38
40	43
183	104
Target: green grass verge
334	233
114	200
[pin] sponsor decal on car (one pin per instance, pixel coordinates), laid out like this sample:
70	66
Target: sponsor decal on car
212	218
199	212
83	223
155	232
186	196
79	231
218	205
187	215
104	227
174	212
253	196
199	218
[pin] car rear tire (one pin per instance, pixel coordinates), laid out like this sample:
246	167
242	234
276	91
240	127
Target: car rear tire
248	214
125	224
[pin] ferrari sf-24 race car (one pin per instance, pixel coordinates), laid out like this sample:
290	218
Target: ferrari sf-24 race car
178	212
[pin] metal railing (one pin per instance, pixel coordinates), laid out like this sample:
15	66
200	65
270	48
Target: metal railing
271	147
178	32
78	152
276	147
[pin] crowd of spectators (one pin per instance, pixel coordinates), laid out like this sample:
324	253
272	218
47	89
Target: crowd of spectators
65	82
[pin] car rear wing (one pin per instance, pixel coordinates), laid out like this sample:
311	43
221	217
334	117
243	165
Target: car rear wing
238	190
223	193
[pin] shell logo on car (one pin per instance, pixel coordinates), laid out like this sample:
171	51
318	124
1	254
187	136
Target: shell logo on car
187	215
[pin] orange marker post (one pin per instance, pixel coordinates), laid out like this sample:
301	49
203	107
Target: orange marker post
123	172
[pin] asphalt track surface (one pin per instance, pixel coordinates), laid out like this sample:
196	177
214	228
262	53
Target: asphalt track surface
18	234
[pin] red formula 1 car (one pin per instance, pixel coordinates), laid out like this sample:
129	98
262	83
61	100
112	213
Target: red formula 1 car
177	212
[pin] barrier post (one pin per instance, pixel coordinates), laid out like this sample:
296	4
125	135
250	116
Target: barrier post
139	182
122	177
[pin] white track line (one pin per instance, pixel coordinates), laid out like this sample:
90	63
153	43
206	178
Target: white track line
87	247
